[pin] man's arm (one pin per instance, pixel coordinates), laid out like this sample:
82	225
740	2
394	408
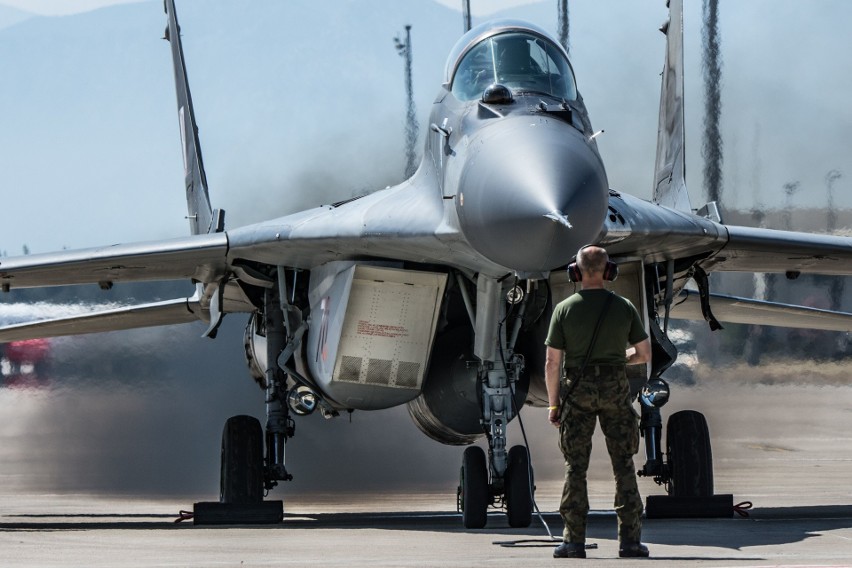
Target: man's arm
553	362
639	352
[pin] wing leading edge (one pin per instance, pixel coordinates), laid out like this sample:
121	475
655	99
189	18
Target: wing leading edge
201	258
751	249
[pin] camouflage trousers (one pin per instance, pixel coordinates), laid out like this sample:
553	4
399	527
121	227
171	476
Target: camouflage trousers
602	393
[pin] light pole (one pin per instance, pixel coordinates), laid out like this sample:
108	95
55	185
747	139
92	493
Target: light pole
411	130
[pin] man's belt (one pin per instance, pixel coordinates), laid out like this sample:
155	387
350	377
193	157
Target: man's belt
595	370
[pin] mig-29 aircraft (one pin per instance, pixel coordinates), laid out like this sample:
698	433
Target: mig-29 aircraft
437	292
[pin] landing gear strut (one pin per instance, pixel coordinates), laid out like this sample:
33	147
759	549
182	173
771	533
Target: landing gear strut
245	473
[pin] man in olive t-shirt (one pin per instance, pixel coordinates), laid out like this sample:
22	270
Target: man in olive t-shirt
598	391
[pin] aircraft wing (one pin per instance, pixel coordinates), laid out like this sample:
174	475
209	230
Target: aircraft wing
201	258
169	312
751	249
658	233
733	309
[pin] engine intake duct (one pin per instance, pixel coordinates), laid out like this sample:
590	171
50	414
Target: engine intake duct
448	410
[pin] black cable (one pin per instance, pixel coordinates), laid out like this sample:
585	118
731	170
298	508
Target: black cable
529	469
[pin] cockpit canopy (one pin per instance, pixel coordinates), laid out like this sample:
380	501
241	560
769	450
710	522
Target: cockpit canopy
519	59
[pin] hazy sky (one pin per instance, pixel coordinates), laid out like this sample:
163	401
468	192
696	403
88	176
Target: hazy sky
62	7
787	71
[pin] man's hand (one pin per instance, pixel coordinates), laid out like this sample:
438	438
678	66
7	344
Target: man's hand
553	415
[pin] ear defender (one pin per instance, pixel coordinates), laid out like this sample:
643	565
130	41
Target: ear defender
610	272
574	274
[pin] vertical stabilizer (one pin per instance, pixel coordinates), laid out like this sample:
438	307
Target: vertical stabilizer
200	215
669	171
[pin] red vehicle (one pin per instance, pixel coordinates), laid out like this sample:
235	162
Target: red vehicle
23	363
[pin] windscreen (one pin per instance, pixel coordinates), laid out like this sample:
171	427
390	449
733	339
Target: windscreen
522	62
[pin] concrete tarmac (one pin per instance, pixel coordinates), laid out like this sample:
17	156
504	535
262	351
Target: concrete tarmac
98	532
787	448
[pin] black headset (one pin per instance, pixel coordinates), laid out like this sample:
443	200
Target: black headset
575	275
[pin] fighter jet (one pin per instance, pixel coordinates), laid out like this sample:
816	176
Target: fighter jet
436	293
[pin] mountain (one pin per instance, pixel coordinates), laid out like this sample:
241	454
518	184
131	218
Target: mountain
10	16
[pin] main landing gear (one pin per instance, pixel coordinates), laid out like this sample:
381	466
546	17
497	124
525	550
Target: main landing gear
246	472
687	470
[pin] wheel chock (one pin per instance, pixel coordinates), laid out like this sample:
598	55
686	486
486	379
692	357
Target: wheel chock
710	507
216	513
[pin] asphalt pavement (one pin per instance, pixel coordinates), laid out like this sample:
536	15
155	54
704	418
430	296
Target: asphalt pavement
786	448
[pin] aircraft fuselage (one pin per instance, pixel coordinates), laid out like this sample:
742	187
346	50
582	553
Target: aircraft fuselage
508	183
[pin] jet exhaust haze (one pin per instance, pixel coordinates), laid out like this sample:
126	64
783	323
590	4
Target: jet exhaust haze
148	422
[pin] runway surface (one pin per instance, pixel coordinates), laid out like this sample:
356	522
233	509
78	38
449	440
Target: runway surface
785	447
80	531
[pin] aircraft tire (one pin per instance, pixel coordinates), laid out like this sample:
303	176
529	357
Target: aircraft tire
519	485
474	488
241	479
689	455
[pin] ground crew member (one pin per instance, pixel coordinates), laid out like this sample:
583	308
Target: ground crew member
580	396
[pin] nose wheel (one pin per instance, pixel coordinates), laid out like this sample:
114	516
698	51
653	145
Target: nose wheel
518	484
474	494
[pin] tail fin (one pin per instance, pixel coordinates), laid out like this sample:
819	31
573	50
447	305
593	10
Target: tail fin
669	171
202	219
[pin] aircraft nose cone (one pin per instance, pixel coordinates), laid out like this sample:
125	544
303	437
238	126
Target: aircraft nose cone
532	195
